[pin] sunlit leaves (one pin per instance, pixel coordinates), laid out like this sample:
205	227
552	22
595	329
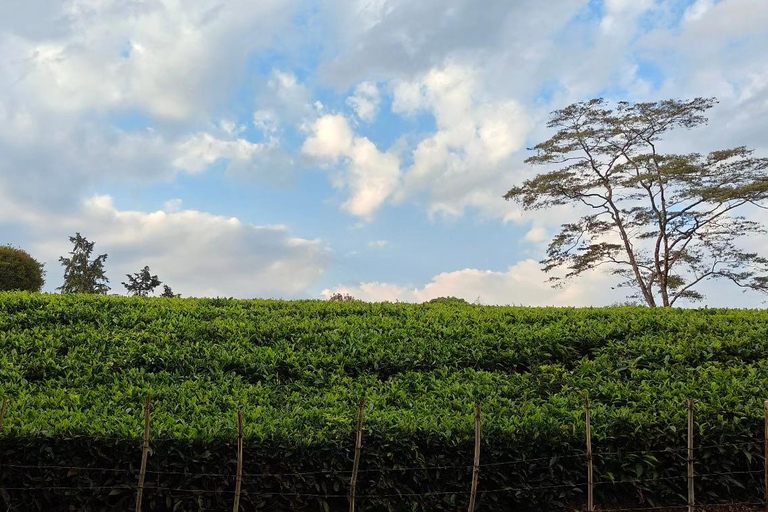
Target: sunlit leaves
76	370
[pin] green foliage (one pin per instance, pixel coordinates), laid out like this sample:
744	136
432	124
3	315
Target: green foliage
168	292
20	271
76	369
341	297
143	283
81	275
448	301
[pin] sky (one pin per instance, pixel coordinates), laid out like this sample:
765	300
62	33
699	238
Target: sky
295	148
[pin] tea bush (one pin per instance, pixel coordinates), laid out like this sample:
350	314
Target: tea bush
75	370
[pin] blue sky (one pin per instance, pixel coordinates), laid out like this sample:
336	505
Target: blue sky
291	148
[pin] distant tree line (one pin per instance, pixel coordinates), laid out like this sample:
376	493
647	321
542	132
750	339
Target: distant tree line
449	300
82	273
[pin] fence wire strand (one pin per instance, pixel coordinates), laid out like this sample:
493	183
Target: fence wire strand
566	454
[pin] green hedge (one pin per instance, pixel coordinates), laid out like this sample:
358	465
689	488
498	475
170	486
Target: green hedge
76	369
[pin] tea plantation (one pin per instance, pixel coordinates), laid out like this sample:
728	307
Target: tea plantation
76	369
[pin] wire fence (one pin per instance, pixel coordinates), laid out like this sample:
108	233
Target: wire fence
683	454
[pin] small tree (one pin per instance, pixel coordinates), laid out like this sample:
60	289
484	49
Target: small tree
341	297
20	271
450	300
662	222
81	275
168	292
142	283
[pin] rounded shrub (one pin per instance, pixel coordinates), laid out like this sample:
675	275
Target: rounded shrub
20	271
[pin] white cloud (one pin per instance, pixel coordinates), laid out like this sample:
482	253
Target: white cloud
283	101
196	253
266	121
717	50
619	14
371	176
524	284
290	93
537	234
466	163
73	71
54	161
172	206
330	140
381	40
521	284
726	18
168	57
698	9
365	101
202	150
50	160
408	97
231	128
378	244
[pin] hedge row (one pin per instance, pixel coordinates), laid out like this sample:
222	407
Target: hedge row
75	370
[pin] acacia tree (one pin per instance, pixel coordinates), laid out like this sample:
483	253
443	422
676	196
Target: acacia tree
142	283
664	223
81	275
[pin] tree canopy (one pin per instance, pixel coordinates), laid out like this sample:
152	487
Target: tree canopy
168	292
450	300
663	222
142	283
81	274
341	297
20	271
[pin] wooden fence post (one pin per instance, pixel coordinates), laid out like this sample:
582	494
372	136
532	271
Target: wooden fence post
691	498
2	413
239	482
358	448
590	479
765	448
2	417
144	455
476	465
